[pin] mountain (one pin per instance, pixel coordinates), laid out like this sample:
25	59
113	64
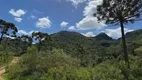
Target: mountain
103	36
69	41
76	35
67	34
134	34
67	37
133	37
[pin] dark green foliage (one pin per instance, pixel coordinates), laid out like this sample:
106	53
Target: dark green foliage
134	36
78	45
5	56
73	61
27	39
103	36
40	37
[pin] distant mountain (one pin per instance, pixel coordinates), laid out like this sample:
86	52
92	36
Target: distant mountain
133	38
69	40
67	34
103	36
68	37
134	34
74	35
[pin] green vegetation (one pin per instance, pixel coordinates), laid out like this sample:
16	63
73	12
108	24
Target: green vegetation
72	56
98	58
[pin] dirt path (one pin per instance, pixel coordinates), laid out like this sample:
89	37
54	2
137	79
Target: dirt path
2	70
1	78
15	60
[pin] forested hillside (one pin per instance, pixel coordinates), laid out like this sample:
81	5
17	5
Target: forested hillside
70	56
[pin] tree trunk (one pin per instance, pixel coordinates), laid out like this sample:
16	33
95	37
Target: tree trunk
39	46
2	34
125	50
1	38
124	45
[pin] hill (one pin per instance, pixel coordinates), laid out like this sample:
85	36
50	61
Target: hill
71	56
103	36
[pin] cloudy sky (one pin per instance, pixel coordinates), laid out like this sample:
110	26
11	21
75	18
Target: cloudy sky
55	15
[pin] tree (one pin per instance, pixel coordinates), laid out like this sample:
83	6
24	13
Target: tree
39	36
48	43
27	39
6	28
25	42
120	12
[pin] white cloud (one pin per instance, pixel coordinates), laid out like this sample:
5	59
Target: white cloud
76	2
89	21
22	32
18	19
17	13
71	28
90	9
116	33
64	24
9	37
43	22
88	34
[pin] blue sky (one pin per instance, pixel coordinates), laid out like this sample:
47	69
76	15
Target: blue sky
55	15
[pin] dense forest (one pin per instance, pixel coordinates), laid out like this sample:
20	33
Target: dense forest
70	56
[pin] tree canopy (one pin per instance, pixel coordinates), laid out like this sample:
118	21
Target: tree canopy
8	29
114	11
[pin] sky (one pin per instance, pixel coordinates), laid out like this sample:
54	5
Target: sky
51	16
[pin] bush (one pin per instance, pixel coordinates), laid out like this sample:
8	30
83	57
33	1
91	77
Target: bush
5	58
32	49
138	51
34	65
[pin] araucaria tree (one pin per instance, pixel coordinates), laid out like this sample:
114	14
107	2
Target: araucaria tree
120	12
39	36
27	39
7	28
